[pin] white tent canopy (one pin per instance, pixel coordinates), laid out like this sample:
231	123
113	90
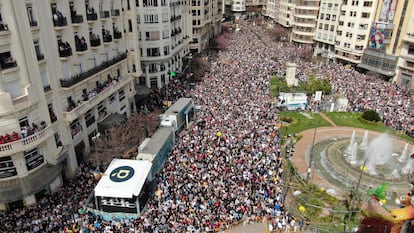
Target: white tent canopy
124	178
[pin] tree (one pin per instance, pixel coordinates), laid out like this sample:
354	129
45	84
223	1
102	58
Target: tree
371	115
279	32
221	41
314	84
305	52
120	138
199	66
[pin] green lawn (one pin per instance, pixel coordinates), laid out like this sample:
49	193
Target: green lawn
303	122
350	119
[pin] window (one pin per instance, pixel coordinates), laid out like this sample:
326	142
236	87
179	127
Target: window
101	108
7	168
89	118
52	114
332	28
39	54
320	26
367	3
328	17
165	34
146	3
411	49
355	3
152	68
151	36
365	15
326	27
166	50
112	98
322	16
151	18
32	21
76	128
121	95
165	18
33	159
333	18
153	52
57	139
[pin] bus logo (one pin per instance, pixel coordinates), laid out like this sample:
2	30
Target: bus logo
121	174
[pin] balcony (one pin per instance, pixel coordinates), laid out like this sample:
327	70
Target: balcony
65	50
7	63
115	12
95	41
59	20
80	44
33	23
27	143
107	37
81	109
85	75
77	19
91	16
40	57
117	35
104	14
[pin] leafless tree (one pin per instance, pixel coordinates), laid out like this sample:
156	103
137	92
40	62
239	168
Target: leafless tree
120	138
279	32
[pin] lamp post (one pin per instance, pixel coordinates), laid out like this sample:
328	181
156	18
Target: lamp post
95	139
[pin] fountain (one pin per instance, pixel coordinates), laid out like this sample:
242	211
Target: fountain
378	153
354	154
364	143
403	157
351	143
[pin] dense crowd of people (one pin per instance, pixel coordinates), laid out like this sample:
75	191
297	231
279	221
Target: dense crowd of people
227	167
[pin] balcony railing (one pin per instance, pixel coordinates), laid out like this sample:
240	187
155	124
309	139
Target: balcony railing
117	35
26	143
104	14
95	42
33	23
59	21
40	57
76	19
7	64
85	106
81	47
91	16
107	38
115	12
85	75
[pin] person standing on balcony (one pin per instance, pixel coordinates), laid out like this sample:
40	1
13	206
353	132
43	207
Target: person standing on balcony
24	131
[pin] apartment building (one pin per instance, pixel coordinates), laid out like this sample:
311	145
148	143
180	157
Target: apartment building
353	29
206	16
66	66
235	8
326	28
164	33
304	21
271	10
381	54
405	48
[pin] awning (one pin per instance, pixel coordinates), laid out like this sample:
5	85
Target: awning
16	189
375	69
124	178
